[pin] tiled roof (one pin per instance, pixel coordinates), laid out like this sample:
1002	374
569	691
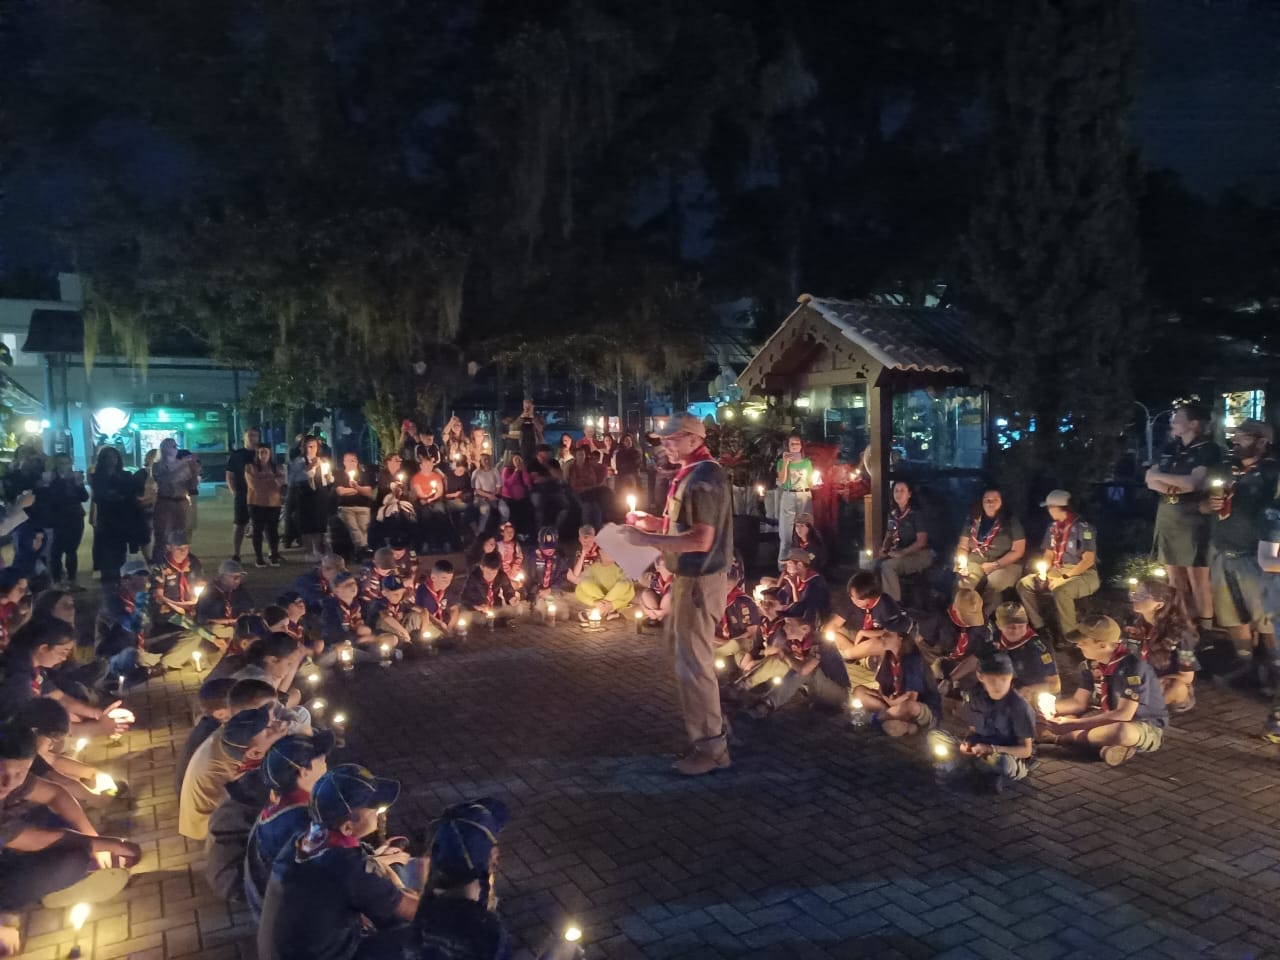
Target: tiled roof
903	338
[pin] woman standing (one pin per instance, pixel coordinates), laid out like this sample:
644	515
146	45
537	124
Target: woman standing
311	480
264	481
794	475
906	542
67	496
992	547
1181	477
117	514
516	487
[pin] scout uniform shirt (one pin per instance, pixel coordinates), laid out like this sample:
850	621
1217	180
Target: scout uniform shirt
1181	461
1007	722
174	582
1067	541
902	529
990	538
700	494
1239	524
1033	662
1125	677
1168	656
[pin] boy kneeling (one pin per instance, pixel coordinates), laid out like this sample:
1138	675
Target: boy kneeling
1119	709
1002	726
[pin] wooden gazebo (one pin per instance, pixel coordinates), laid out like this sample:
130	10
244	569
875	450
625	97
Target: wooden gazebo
893	385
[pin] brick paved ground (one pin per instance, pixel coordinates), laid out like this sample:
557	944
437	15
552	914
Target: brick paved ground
821	842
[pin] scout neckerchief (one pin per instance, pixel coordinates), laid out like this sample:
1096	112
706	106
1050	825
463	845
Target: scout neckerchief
734	593
439	598
293	629
797	584
1238	470
800	648
182	571
290	801
1117	657
323	582
490	590
548	560
895	523
590	555
1011	645
312	843
37	681
405	564
675	495
247	765
1059	536
226	601
979	544
351	618
512	557
895	672
372	588
868	620
660	585
962	641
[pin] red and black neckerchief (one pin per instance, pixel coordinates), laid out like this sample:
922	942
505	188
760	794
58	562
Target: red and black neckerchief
591	554
1059	537
351	618
293	629
490	592
701	455
891	537
226	603
797	585
800	648
868	621
660	585
182	572
548	558
128	600
1117	657
962	641
734	594
979	544
439	598
1009	647
1238	470
290	801
895	671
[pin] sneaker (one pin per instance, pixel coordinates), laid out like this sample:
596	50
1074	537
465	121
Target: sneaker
260	563
1185	705
235	557
697	763
276	561
1114	756
97	886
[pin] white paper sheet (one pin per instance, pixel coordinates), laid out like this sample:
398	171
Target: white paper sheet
634	561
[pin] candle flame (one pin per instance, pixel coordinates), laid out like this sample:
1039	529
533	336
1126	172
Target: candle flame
777	681
719	663
79	914
572	934
339	719
1046	702
941	751
81	744
317	704
102	783
855	703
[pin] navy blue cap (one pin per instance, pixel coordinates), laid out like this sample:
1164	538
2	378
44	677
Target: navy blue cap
465	837
239	731
392	583
548	537
995	662
348	787
346	576
290	755
288	597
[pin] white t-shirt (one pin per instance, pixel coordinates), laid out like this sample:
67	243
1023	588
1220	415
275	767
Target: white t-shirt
486	481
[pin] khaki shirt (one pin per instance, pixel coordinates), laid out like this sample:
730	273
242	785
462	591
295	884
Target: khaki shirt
204	786
702	497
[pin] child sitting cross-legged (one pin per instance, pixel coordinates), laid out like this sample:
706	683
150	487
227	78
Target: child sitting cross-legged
905	699
51	724
487	589
1119	708
1002	725
655	598
603	587
811	666
439	612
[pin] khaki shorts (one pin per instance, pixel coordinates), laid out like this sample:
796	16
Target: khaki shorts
1150	737
1238	584
926	720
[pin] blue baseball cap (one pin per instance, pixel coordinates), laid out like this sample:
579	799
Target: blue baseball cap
290	755
239	731
465	837
392	583
349	787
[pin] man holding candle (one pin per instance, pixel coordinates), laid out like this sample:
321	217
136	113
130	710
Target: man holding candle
355	500
1066	568
1237	506
695	535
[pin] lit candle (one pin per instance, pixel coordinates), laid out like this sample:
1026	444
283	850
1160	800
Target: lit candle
1133	582
1159	572
400	476
759	489
1042	570
79	914
316	707
551	613
631	502
382	824
102	783
347	658
639	622
1046	703
662	424
572	934
777	681
426	634
195	658
385	650
941	750
121	715
463	623
197	590
351	475
720	664
490	616
829	636
314	678
485	446
1216	483
962	564
339	720
80	745
520	577
855	703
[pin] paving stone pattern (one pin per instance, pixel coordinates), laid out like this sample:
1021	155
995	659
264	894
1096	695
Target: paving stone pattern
820	842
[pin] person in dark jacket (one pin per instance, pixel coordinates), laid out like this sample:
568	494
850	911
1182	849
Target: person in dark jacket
67	496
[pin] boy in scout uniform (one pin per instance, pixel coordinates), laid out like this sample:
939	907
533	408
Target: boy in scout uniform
1034	668
1118	709
1070	556
1002	725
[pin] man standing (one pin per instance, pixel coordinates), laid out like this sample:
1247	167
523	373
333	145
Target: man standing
175	480
695	535
239	487
1070	558
1237	507
1181	476
794	473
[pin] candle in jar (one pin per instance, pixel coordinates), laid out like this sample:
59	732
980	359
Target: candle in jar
962	563
551	612
639	621
490	616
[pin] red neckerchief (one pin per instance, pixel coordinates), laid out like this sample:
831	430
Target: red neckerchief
660	585
1007	646
592	555
294	798
510	551
868	621
980	545
490	587
323	581
701	455
800	648
37	681
895	521
1108	672
734	593
802	543
962	642
797	584
318	839
1237	470
351	618
129	600
548	558
895	671
437	597
247	765
226	602
373	588
182	572
1058	532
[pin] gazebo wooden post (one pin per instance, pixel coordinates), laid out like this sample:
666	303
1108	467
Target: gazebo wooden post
880	426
